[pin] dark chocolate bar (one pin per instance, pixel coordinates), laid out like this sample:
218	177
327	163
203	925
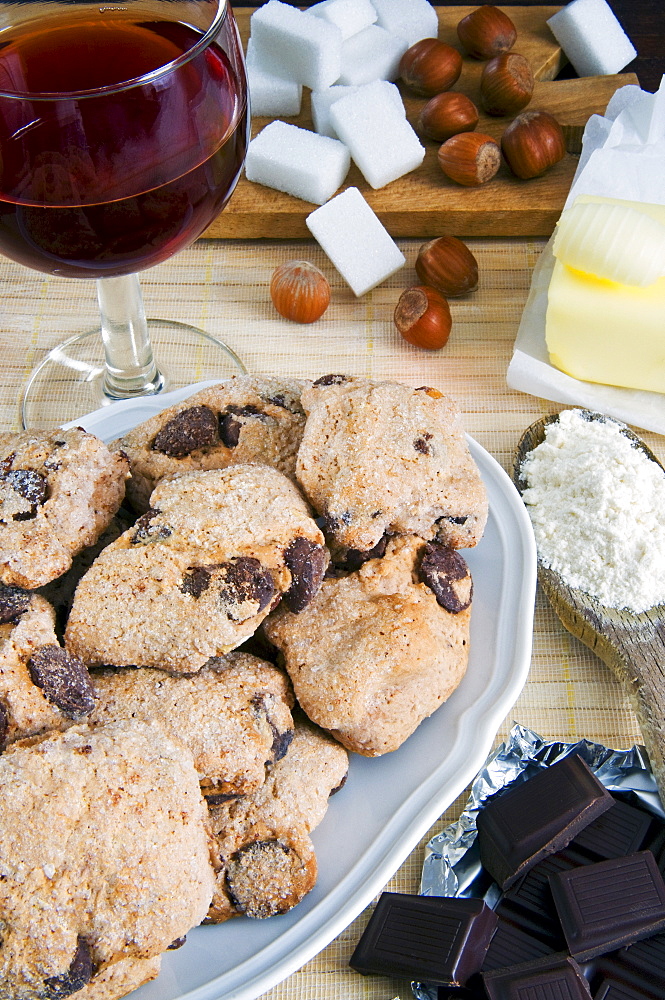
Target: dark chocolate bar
619	831
439	939
646	957
612	988
556	976
517	941
520	826
532	892
611	903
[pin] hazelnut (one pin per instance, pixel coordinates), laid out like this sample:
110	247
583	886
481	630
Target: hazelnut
299	291
486	32
447	114
532	143
422	316
448	265
470	158
506	84
430	67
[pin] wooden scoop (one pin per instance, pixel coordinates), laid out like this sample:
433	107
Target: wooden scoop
631	644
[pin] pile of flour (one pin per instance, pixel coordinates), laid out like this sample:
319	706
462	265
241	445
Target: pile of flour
597	505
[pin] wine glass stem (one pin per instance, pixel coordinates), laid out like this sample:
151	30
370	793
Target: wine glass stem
130	365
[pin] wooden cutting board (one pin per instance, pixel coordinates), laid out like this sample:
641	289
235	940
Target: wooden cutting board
425	203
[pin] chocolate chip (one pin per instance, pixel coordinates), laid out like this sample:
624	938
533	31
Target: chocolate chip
262	875
453	520
233	419
14	601
307	562
281	743
4	726
6	464
31	486
196	581
354	558
332	380
333	522
64	679
189	430
146	531
282	738
292	405
338	788
219	798
445	572
422	445
246	588
178	943
80	973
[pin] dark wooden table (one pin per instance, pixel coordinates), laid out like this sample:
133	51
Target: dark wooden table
642	20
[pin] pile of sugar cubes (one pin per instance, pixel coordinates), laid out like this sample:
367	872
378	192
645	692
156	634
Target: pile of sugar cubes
347	52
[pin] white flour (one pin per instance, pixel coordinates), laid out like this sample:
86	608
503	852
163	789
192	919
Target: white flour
597	505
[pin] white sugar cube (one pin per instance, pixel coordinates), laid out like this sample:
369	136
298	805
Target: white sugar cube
350	16
270	95
322	101
355	240
382	142
372	54
297	161
592	38
410	19
295	44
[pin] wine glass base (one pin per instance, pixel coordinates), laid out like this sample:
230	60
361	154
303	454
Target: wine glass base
69	381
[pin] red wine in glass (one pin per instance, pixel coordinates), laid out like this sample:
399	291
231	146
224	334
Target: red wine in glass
126	181
123	131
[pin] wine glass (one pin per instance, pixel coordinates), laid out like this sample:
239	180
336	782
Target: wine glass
123	131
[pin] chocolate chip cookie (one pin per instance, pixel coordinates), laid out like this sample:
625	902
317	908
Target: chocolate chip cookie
245	419
234	715
381	458
42	687
381	648
58	492
267	862
198	572
105	857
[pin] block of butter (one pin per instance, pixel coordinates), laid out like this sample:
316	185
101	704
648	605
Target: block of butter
598	327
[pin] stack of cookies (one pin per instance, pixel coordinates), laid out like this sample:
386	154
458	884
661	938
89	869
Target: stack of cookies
198	623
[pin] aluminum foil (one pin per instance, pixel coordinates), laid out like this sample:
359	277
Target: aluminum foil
452	866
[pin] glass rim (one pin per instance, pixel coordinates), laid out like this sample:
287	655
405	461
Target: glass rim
137	81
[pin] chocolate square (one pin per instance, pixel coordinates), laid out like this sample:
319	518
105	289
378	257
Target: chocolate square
609	904
556	977
530	820
439	939
621	830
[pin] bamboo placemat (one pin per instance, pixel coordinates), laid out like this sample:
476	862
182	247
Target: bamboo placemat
223	286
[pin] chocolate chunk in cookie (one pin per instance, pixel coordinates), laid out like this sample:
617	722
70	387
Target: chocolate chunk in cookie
189	430
447	575
79	973
14	601
64	679
307	562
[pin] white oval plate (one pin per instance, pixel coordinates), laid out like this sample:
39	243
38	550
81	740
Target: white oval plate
388	803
